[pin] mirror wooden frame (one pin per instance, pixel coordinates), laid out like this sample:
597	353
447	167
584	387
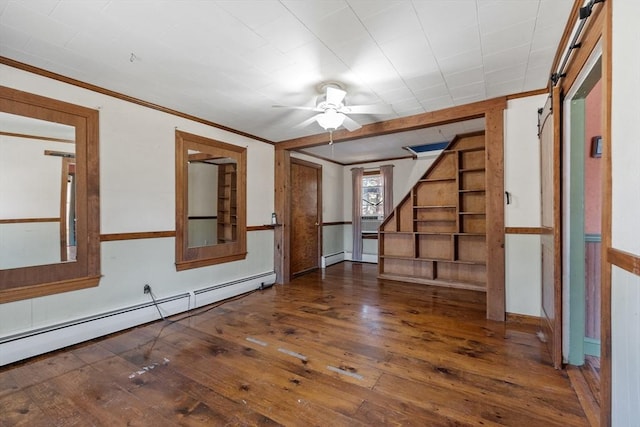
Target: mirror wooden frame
35	281
194	257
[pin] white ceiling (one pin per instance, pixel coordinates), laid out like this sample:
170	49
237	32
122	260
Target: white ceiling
230	61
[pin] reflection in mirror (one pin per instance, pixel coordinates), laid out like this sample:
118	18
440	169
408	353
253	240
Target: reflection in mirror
49	196
211	199
37	192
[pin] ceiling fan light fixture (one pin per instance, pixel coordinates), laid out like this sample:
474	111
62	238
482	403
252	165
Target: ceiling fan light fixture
330	119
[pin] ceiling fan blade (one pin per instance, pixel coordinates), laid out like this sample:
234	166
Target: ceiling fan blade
350	124
294	107
367	109
335	95
308	121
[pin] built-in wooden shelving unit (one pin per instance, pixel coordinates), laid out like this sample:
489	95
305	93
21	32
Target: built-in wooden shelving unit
227	203
437	234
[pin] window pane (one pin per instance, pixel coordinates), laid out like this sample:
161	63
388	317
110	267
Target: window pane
372	196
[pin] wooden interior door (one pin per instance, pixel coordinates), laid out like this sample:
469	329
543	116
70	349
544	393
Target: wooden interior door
306	216
549	125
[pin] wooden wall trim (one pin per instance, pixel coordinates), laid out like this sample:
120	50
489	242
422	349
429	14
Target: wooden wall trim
523	230
624	260
418	121
282	202
135	236
523	319
386	159
33	291
337	162
325	224
94	88
38	137
25	220
111	237
543	91
605	267
261	227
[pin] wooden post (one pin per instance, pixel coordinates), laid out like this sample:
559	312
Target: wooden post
494	163
282	200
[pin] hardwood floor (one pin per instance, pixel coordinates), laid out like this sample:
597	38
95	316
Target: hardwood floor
334	347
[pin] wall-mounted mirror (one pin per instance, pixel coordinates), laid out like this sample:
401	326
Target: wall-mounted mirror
37	210
210	201
49	207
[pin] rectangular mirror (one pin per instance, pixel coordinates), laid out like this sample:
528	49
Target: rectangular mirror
49	196
210	201
37	210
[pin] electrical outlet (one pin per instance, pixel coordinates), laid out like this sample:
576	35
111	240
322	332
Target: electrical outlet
147	289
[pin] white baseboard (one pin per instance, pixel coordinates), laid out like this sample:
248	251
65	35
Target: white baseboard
331	259
32	343
370	258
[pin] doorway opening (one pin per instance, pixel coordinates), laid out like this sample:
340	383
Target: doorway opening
582	200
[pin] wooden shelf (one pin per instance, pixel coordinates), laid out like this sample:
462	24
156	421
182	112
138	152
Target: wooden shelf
434	259
227	200
437	179
447	245
474	286
436	207
432	233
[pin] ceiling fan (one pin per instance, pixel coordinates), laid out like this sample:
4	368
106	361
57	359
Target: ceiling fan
333	111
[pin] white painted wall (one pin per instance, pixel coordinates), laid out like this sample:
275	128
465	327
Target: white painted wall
522	181
625	151
137	189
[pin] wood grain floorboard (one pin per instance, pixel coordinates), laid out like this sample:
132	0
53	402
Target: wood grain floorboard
336	347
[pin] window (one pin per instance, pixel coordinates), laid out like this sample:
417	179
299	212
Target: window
372	202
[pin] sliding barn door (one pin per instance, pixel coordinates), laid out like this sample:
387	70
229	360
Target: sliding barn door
549	125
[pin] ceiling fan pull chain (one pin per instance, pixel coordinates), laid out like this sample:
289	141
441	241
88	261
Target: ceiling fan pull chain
332	148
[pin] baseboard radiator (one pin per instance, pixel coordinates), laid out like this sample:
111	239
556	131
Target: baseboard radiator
331	259
43	340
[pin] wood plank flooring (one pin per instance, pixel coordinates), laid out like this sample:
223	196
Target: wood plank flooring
335	347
